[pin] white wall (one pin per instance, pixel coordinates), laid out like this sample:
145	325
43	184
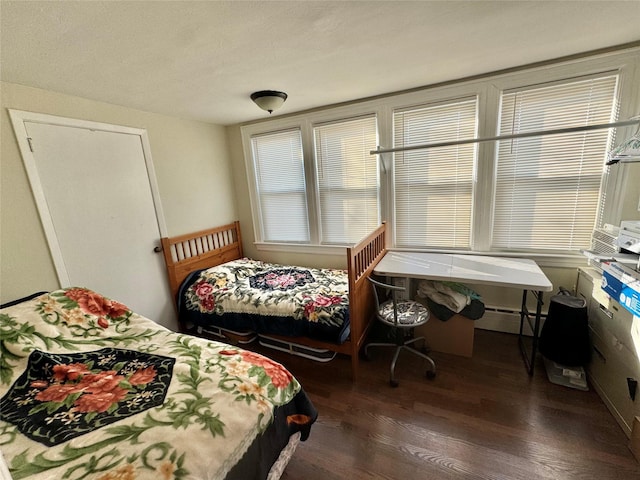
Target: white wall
190	160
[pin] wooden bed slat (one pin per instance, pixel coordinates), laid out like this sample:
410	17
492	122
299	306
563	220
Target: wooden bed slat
207	248
185	253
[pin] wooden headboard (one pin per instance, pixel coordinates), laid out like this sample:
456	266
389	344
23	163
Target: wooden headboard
195	251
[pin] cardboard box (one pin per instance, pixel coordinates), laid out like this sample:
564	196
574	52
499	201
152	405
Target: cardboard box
623	285
453	336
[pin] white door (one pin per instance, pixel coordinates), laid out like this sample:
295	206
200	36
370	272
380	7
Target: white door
93	185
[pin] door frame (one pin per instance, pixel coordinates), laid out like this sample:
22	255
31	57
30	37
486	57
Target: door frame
18	119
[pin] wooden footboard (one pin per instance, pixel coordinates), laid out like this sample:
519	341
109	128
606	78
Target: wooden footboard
207	248
362	259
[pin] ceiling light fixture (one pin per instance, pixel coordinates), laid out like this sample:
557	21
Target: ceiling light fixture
269	100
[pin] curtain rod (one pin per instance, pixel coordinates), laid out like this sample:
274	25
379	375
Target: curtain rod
508	137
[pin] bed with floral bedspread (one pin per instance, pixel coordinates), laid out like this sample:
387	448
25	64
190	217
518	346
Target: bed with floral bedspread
266	298
91	390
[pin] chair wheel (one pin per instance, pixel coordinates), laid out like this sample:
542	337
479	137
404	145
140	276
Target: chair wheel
393	383
431	375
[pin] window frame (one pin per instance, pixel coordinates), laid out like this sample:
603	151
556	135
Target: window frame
434	104
603	174
306	124
259	193
488	89
323	237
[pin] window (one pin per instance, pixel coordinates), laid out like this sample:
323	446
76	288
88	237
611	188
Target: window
314	184
329	197
281	190
348	184
433	187
548	187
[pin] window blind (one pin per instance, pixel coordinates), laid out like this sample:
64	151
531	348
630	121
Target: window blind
433	187
548	187
279	169
348	179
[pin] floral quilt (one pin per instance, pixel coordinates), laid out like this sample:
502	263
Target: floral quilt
91	390
266	298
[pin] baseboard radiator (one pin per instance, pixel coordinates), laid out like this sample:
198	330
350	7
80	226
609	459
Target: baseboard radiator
503	319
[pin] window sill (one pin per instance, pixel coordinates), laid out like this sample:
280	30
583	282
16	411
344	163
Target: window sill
299	248
542	259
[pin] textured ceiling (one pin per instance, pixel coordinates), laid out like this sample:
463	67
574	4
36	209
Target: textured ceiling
201	60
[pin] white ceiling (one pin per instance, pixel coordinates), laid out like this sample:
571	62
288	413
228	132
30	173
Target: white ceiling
201	60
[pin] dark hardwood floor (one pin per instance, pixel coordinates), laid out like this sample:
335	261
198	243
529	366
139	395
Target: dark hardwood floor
480	418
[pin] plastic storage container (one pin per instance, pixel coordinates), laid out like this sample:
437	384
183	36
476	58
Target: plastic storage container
572	377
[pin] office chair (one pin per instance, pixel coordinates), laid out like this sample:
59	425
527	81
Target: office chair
402	316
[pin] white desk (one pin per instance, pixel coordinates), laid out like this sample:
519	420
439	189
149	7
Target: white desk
476	269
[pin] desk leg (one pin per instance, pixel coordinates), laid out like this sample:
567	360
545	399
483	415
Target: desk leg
523	312
529	359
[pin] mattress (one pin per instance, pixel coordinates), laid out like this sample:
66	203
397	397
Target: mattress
90	389
268	299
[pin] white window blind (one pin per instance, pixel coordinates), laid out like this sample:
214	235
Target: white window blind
433	187
548	187
279	169
348	183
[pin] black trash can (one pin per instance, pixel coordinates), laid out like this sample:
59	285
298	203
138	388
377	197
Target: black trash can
564	337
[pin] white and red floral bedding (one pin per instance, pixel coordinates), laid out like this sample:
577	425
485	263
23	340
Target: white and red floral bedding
266	298
91	390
